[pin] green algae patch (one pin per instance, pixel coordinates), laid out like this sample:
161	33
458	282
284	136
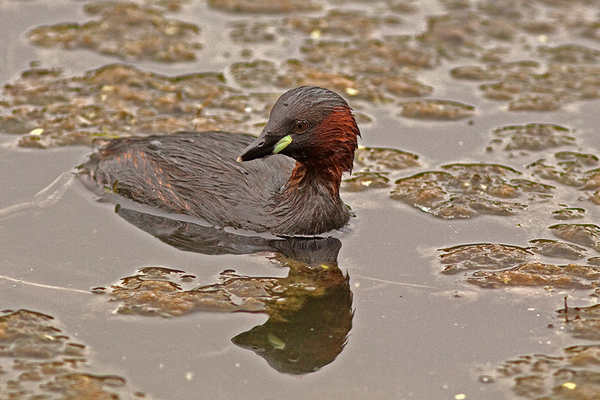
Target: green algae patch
524	85
126	30
39	361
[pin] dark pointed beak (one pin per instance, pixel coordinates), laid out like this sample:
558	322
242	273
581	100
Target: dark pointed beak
264	146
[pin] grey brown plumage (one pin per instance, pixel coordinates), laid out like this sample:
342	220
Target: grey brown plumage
196	173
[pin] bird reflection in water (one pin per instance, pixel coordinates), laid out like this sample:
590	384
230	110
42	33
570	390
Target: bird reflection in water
310	310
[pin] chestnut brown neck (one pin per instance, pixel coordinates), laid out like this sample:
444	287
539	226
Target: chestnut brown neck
334	144
310	175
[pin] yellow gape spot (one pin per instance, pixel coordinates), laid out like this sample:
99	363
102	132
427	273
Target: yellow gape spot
282	144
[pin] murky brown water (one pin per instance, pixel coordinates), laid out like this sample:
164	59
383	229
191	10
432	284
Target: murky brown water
476	202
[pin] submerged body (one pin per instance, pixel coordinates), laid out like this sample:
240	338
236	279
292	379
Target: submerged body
196	173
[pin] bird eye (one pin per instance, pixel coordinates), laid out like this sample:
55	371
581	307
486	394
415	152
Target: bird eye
300	126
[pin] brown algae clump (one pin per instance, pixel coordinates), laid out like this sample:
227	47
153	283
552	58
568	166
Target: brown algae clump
498	265
538	274
571	375
164	292
570	53
519	70
39	361
365	180
262	6
126	30
437	110
527	89
310	310
568	213
373	165
120	100
584	322
340	22
567	168
533	137
380	70
254	74
158	291
467	190
388	56
557	249
483	256
301	74
587	235
382	159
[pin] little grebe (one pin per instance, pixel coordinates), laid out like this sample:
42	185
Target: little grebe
195	173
